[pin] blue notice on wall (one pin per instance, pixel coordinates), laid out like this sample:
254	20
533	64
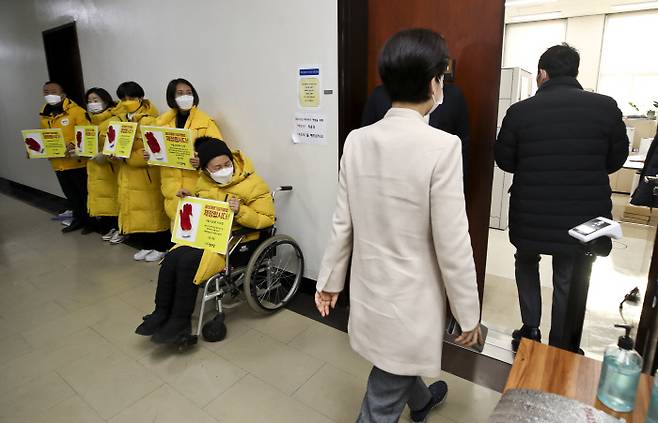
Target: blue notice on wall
309	71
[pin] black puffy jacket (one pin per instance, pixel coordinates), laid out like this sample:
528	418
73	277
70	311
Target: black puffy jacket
643	195
560	145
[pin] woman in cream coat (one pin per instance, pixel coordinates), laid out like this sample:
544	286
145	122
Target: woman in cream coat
401	216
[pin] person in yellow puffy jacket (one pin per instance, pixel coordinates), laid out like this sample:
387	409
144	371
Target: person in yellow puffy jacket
226	176
183	99
141	205
62	112
102	201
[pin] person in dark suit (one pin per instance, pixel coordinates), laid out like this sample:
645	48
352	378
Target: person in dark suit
560	145
643	195
451	116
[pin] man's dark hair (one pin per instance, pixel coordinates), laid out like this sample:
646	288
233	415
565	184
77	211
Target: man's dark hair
130	89
408	62
56	83
103	94
171	92
560	60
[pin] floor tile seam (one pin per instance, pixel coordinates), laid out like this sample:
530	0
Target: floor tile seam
324	364
285	344
78	394
191	401
290	396
207	404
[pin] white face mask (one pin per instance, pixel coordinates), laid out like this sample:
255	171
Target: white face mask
185	102
222	176
95	107
437	98
52	99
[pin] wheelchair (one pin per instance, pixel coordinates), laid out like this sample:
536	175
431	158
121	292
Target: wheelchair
266	273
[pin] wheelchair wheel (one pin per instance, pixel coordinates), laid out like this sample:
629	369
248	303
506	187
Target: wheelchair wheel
273	274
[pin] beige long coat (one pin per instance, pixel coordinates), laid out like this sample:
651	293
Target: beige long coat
400	214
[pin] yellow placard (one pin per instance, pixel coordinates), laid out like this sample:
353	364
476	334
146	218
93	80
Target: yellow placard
44	143
169	147
203	223
86	141
119	139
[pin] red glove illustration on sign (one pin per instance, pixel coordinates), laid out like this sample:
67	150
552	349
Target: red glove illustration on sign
33	145
111	135
185	217
78	137
153	143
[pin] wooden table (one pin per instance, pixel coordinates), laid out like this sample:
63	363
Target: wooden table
548	369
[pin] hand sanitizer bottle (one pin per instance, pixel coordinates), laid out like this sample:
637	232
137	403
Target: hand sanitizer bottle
652	414
620	374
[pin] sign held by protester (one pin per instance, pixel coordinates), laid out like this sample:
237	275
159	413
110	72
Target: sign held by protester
119	139
169	147
44	143
204	224
86	141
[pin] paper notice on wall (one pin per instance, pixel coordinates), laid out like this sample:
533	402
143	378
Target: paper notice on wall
309	86
309	128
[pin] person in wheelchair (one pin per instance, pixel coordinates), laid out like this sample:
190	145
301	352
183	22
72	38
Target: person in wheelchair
225	176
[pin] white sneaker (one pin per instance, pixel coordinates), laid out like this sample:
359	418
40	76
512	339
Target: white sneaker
141	254
108	236
66	214
154	256
117	238
67	222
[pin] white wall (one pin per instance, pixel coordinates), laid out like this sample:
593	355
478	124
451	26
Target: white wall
586	34
240	55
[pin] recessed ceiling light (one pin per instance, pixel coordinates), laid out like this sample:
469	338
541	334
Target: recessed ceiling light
536	17
627	7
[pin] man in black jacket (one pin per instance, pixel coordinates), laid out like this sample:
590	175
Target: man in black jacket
451	116
560	145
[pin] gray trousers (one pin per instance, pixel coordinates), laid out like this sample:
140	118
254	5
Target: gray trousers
387	395
529	288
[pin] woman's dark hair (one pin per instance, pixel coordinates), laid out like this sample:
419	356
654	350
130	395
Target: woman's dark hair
171	92
103	94
408	62
130	89
560	60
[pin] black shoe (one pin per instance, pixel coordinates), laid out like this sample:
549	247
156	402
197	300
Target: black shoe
87	230
74	226
151	323
176	328
439	391
525	332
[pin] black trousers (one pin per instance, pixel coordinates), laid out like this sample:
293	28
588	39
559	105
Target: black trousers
107	223
176	291
159	241
529	288
74	185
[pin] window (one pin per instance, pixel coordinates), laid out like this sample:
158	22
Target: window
526	42
629	63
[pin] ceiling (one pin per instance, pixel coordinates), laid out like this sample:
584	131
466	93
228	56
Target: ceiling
556	9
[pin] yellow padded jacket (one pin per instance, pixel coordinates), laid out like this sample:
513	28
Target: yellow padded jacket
141	205
72	115
103	174
172	180
256	209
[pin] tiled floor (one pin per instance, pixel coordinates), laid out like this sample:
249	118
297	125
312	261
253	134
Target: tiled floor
612	277
68	353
